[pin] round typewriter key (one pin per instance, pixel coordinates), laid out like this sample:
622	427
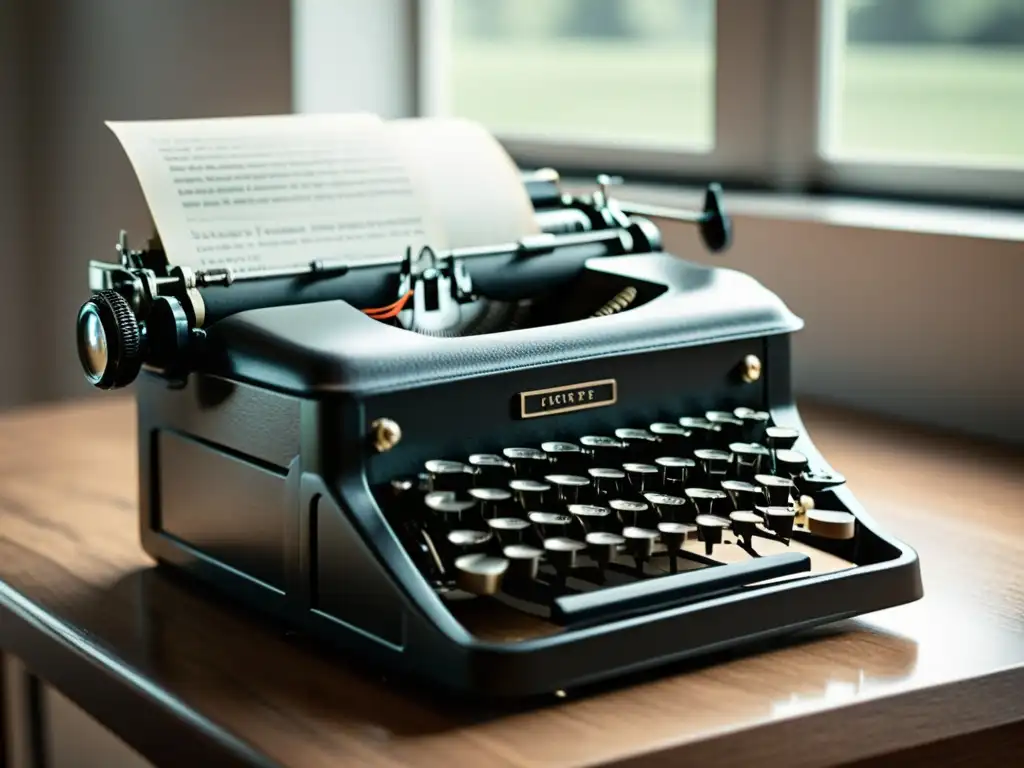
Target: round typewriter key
675	470
628	511
780	520
709	529
639	442
480	574
667	507
447	504
742	494
640	543
790	463
550	524
602	546
831	525
509	530
567	487
777	488
754	423
448	475
589	515
603	451
816	482
490	469
730	424
527	462
565	457
702	432
640	476
749	458
607	481
464	541
491	500
744	524
673	536
523	561
713	463
561	553
673	438
703	499
530	494
402	485
780	437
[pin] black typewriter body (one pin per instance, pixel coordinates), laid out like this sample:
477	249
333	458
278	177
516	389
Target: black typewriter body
609	477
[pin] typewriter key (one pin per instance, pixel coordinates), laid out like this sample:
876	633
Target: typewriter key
780	520
813	483
490	469
491	500
640	543
530	494
703	433
589	515
672	438
446	504
831	525
602	546
667	507
714	464
639	442
603	451
561	553
709	529
778	489
527	462
524	561
749	458
675	471
464	540
730	424
565	457
509	530
754	423
780	437
567	487
449	475
703	500
607	481
549	523
744	524
480	574
673	536
640	476
628	511
743	495
790	463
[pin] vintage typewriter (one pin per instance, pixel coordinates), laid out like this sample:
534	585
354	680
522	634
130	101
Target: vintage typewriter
509	470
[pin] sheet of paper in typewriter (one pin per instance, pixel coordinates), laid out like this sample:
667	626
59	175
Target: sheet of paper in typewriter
280	191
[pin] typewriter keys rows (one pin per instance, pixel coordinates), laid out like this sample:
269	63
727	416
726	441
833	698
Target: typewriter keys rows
637	504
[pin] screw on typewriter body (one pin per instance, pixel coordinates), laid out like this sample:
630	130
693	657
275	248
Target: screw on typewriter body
524	561
490	500
640	542
607	481
673	536
591	516
675	470
709	529
780	520
530	494
750	368
749	458
754	423
490	470
668	507
509	530
480	574
385	434
743	495
744	525
618	303
640	475
561	552
603	545
672	438
777	489
527	462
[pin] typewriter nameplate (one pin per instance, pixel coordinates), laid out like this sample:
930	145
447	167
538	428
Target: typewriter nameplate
571	397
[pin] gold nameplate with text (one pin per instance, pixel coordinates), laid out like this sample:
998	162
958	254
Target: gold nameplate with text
572	397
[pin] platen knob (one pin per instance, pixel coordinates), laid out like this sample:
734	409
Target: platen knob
109	341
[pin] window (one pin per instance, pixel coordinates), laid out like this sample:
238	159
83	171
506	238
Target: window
921	98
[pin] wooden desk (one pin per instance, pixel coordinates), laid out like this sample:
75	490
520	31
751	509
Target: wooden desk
185	678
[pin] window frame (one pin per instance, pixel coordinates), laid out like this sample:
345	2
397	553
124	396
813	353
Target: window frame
774	80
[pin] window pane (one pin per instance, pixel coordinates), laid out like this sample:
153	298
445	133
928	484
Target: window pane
931	80
623	71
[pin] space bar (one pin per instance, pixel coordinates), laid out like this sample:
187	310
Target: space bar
666	591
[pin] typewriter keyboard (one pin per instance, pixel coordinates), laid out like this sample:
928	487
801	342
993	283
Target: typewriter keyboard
525	525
